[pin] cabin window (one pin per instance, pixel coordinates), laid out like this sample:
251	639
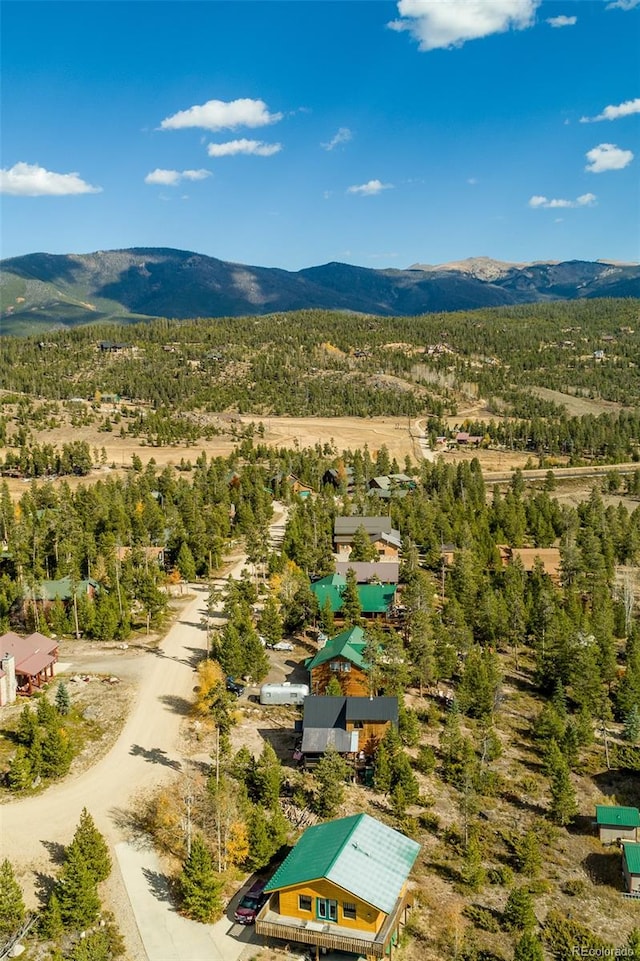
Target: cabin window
326	909
358	725
304	902
348	910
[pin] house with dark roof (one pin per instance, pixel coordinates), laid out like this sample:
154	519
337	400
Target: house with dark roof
343	887
383	536
26	664
375	599
338	477
354	726
342	657
616	824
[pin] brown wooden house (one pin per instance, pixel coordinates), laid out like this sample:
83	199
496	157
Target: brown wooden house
353	726
342	658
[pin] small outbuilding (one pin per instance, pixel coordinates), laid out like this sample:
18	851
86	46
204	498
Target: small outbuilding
617	824
631	867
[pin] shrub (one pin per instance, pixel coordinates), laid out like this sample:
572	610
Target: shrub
481	918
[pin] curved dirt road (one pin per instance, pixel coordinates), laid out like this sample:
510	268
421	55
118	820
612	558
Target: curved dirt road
145	754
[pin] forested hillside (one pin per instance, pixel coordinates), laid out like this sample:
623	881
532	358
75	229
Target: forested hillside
166	381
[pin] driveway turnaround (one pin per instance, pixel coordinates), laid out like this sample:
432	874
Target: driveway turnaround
166	935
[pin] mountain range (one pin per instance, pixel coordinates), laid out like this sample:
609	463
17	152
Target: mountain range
44	291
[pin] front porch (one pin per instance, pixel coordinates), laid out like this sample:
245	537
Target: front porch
334	937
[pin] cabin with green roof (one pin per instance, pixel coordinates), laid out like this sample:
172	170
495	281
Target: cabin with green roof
343	887
342	657
375	599
631	867
616	824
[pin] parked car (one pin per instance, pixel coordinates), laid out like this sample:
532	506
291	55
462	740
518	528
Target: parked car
251	904
234	688
282	646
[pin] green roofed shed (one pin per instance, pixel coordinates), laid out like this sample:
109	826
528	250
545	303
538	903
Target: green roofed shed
617	824
359	854
608	814
632	857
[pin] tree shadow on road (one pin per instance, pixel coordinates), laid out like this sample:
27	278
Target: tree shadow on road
176	703
56	851
160	886
155	755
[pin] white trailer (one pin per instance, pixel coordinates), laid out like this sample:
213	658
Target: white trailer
285	693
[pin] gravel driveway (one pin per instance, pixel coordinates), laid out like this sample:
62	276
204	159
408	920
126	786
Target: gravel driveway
145	755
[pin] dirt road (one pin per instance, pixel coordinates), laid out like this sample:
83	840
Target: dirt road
145	754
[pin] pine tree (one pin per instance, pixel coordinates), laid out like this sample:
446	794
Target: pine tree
473	873
200	884
63	699
57	752
326	619
351	606
270	623
20	774
50	923
267	778
361	547
185	563
518	913
528	948
333	688
382	770
528	854
12	909
261	848
45	711
91	846
77	892
331	774
27	726
563	797
632	725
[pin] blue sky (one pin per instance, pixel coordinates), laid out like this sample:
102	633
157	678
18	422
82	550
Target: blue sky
289	134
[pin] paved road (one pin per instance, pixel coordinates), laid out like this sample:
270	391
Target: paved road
145	755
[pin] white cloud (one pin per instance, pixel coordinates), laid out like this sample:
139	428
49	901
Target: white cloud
222	115
450	24
343	135
472	181
370	188
562	21
31	180
614	112
585	200
622	5
231	147
607	156
171	178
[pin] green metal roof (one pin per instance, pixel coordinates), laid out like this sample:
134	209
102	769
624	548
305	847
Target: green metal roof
60	589
349	644
618	816
360	854
632	856
374	598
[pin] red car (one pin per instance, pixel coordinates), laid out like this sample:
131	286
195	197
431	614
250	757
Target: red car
251	903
